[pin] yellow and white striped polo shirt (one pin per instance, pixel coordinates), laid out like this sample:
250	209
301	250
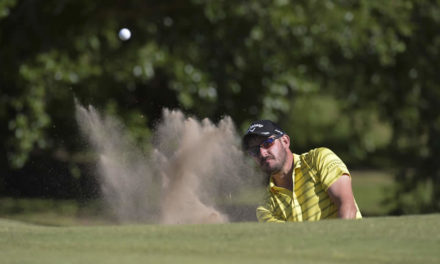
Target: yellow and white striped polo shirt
312	175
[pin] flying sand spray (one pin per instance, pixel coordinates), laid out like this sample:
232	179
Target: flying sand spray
191	166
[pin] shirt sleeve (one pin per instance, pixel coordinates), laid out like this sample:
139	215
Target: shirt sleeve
329	166
265	215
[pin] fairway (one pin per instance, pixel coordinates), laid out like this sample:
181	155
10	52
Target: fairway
408	239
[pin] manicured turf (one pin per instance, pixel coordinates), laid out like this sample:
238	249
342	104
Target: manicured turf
409	239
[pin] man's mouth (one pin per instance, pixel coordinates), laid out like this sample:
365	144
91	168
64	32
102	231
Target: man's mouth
265	160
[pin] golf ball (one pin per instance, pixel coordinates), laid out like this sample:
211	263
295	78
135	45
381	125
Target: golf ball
124	34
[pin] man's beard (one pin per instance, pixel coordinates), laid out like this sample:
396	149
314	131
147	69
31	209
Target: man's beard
277	167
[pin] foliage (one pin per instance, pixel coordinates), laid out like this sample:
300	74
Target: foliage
360	76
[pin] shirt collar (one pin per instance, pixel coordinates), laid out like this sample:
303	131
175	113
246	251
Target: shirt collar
296	161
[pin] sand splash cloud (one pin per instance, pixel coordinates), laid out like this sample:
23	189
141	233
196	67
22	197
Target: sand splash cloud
192	167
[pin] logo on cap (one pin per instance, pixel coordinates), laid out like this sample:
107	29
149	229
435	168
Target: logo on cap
278	131
254	126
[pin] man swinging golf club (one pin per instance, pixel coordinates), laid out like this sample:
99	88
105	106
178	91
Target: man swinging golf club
308	187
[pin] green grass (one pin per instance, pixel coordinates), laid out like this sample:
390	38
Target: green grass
370	189
408	239
52	212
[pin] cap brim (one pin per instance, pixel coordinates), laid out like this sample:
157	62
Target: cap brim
249	135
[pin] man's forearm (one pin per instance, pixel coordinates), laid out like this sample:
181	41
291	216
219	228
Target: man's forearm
347	211
342	195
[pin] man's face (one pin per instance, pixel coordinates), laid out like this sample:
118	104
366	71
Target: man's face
270	157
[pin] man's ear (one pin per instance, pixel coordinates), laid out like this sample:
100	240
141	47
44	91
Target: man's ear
285	139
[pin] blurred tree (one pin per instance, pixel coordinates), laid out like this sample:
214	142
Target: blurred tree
359	76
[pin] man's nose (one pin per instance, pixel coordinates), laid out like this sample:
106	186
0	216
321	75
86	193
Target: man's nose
263	152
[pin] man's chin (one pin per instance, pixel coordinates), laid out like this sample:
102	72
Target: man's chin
269	169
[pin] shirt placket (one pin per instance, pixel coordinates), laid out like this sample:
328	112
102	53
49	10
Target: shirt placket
296	208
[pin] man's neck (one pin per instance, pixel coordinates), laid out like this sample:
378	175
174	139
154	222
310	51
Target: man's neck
283	178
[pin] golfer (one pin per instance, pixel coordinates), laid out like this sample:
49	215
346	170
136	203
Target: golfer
308	187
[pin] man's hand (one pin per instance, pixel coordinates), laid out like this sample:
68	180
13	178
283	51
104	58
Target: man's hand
342	195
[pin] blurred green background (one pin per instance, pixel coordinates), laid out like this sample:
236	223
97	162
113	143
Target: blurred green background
359	77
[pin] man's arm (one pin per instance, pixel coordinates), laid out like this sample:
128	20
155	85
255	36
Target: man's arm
342	195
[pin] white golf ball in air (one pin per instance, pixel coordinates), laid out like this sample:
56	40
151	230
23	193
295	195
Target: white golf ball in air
124	34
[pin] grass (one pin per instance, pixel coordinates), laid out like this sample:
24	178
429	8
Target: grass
64	232
408	239
370	189
52	212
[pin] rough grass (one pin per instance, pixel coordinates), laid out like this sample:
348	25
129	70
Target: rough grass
408	239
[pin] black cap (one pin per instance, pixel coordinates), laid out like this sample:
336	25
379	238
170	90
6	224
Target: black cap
265	128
